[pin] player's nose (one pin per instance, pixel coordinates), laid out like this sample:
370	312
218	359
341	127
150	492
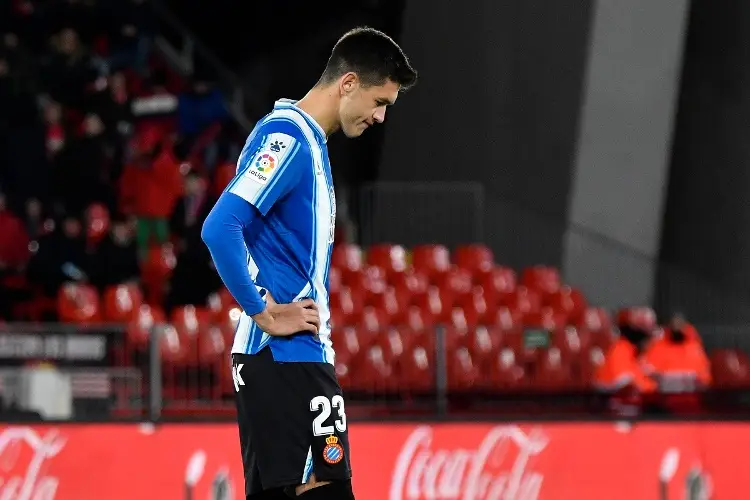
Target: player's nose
379	115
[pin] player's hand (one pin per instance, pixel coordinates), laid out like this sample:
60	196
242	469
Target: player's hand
282	320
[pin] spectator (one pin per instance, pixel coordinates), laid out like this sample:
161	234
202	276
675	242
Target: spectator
130	29
34	220
55	133
191	210
116	259
199	107
149	190
61	257
679	364
82	174
622	374
70	70
14	241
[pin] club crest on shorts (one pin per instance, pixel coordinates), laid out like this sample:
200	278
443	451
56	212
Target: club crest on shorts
333	452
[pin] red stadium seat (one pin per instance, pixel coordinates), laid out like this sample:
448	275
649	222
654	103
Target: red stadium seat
190	322
431	260
543	279
368	282
431	303
551	372
475	307
546	318
474	258
416	370
212	347
730	369
388	303
391	258
335	281
523	300
345	306
504	318
455	286
140	327
463	373
497	282
121	303
219	303
156	271
408	285
347	258
78	303
506	373
373	373
567	301
346	344
484	344
571	341
594	319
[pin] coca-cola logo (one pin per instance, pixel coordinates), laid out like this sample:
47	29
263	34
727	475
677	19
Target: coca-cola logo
497	469
23	454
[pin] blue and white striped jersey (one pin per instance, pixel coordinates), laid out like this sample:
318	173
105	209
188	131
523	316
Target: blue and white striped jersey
284	171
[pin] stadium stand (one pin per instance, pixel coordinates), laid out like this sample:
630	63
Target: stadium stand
131	155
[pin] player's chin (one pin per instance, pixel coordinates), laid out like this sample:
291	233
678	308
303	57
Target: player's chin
356	131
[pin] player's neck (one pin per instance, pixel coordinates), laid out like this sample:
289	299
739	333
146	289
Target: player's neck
320	103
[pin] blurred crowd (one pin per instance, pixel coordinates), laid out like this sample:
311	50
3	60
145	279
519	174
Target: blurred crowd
105	152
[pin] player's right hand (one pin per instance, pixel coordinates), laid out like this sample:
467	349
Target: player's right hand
288	319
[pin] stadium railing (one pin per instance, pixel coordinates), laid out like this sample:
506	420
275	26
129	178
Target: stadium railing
59	372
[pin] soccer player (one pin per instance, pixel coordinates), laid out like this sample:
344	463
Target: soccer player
270	236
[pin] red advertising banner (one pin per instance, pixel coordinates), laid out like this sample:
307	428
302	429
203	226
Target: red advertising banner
555	461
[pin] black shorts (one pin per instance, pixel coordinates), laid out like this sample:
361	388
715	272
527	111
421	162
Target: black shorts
292	422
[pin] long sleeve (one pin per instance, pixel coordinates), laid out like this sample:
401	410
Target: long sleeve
223	232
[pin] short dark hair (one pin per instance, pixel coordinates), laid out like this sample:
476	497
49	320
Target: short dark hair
373	56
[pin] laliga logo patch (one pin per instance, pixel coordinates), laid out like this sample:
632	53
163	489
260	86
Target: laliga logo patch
262	167
333	452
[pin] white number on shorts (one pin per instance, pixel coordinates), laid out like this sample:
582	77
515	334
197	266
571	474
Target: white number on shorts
321	403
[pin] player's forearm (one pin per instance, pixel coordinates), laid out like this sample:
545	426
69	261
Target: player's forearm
223	234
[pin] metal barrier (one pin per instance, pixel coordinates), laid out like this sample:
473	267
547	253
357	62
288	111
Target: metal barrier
155	382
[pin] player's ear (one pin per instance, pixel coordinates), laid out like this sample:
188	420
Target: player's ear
348	83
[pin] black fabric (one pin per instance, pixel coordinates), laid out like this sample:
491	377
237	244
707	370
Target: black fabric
276	422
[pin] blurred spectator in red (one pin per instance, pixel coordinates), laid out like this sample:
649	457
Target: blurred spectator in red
116	258
678	362
149	187
14	241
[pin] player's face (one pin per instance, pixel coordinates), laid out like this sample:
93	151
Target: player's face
362	107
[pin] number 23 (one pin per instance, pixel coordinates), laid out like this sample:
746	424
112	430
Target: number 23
324	405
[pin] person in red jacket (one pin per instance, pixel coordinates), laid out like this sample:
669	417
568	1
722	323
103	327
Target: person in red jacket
14	241
14	254
150	187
